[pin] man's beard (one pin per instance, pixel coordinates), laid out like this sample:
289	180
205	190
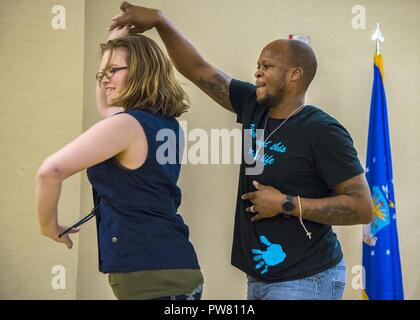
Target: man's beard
271	101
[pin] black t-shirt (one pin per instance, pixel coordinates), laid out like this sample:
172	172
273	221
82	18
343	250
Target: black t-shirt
308	155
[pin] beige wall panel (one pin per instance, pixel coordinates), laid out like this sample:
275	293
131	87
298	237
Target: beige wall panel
41	110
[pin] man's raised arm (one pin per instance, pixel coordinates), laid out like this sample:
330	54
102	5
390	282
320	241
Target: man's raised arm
188	61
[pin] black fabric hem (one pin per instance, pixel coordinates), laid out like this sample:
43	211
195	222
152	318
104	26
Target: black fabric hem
346	177
107	270
291	278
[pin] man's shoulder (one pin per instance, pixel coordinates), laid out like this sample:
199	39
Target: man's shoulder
322	125
317	119
242	88
243	99
242	83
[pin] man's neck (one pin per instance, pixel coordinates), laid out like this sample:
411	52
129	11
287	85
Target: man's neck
286	107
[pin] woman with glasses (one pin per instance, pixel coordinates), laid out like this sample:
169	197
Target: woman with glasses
132	159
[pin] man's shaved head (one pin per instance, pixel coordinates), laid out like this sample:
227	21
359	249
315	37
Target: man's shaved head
294	53
302	55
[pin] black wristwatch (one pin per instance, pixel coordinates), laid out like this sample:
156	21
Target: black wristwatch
288	205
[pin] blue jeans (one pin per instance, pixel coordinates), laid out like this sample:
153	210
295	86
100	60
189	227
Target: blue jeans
326	285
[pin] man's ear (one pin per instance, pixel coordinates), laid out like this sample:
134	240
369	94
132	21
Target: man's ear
295	74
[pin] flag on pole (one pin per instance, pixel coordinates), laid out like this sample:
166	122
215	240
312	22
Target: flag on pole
381	257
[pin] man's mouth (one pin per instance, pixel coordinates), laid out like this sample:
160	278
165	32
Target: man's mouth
260	87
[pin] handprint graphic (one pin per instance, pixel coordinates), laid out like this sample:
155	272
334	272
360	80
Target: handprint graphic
270	257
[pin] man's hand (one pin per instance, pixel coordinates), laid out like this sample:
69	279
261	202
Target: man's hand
266	201
138	19
185	57
65	239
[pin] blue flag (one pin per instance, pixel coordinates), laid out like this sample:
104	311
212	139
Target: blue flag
381	257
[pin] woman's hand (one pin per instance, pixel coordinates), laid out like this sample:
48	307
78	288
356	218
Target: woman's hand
119	33
65	239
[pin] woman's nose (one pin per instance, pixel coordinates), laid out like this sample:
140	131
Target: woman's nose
104	80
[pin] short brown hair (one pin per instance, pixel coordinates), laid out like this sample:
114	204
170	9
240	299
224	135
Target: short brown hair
150	83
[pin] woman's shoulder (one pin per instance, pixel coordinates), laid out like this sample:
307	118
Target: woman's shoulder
122	122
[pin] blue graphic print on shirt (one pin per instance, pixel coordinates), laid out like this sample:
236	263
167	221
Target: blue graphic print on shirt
271	257
266	157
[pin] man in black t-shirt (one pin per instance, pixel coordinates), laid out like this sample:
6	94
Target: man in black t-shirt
311	177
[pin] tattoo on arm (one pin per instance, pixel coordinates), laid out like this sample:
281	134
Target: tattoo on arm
332	214
217	87
341	209
356	190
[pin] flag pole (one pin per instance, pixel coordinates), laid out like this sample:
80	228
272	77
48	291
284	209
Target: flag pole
378	37
381	257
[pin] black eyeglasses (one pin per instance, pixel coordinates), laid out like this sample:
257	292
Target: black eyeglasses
82	221
108	73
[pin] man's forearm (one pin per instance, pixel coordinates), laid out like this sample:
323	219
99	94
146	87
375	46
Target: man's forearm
337	210
183	54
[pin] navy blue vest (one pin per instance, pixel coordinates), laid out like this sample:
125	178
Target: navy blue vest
137	221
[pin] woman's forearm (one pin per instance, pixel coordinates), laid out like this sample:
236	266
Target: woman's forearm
48	188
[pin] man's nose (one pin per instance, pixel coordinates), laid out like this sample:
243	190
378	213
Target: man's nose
258	74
